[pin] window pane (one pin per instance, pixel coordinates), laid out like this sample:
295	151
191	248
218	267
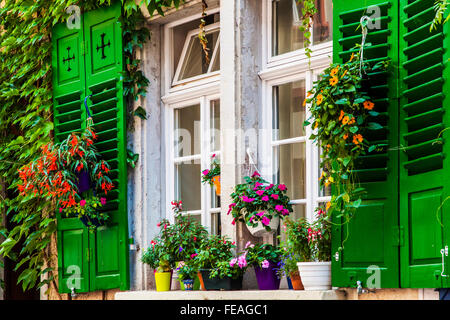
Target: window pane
194	63
215	223
324	191
215	125
288	111
323	22
187	131
286	35
216	63
188	185
290	168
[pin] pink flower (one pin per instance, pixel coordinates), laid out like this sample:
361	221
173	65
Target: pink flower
274	196
103	201
282	187
265	221
242	261
83	203
260	214
260	192
249	244
193	255
158	224
279	207
60	209
213	156
205	172
255	174
265	264
285	211
233	222
247	199
233	262
258	184
265	198
230	207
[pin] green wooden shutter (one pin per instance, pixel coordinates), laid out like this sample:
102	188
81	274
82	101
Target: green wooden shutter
371	237
424	163
95	53
68	95
104	64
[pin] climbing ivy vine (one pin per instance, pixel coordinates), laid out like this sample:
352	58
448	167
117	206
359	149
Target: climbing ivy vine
26	119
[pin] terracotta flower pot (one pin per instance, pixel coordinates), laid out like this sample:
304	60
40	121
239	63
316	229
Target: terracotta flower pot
216	181
202	285
296	281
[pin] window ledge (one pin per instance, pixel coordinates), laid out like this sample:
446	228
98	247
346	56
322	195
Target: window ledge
233	295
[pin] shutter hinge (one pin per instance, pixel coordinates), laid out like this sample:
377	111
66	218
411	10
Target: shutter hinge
399	236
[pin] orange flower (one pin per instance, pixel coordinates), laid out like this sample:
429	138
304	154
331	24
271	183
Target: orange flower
316	125
368	105
319	99
334	71
352	121
304	103
308	94
352	57
334	81
345	120
342	115
345	136
357	139
328	205
343	75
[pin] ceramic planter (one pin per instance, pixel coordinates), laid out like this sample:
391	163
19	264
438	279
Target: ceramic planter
216	181
260	229
84	181
267	278
188	285
315	275
163	280
220	284
296	281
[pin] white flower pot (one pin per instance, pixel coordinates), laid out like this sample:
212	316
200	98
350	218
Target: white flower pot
315	275
260	229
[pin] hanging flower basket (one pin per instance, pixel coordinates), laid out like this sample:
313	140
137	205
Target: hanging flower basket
216	182
212	176
260	229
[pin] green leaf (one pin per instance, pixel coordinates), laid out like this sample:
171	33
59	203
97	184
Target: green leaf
374	126
140	112
354	129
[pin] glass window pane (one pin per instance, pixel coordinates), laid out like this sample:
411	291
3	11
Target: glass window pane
216	62
187	131
323	22
288	111
194	63
188	185
290	168
215	125
215	223
286	34
324	191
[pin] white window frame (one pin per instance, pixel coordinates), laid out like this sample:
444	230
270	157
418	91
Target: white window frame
289	57
200	90
282	69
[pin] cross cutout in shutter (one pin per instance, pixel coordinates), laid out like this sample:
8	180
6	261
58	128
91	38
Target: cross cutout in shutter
103	46
68	59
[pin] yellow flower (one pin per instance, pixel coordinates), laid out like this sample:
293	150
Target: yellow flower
319	99
345	120
316	125
334	81
334	71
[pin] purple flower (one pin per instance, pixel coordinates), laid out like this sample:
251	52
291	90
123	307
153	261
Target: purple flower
265	221
180	249
265	264
274	196
265	198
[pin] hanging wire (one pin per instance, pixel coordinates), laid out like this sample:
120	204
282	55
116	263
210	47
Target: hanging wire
364	20
89	118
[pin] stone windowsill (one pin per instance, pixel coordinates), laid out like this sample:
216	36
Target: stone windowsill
233	295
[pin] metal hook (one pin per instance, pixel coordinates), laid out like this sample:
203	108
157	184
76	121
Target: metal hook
363	22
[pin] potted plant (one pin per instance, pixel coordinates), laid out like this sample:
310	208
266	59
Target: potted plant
214	260
160	261
187	273
315	272
259	205
212	176
59	174
265	259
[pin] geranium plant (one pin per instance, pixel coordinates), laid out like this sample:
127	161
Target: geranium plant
55	175
209	174
257	201
342	113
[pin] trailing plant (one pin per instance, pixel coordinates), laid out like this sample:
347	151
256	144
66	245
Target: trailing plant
342	113
26	122
308	11
202	33
257	201
440	7
209	174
